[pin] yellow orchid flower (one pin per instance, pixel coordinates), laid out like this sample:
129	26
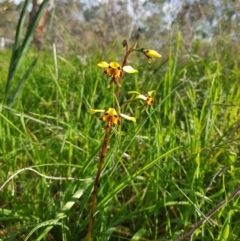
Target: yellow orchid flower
151	54
115	70
147	98
111	116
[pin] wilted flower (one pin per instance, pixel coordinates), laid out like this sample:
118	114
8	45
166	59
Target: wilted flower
111	116
115	71
151	54
147	98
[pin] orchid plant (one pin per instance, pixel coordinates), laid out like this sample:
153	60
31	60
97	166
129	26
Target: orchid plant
112	115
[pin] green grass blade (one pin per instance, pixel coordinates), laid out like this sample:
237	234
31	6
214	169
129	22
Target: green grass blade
61	215
128	179
20	47
14	63
21	82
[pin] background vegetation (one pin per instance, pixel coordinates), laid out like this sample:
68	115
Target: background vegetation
96	24
161	175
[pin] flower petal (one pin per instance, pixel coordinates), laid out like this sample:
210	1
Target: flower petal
93	111
112	112
150	92
133	92
143	97
128	117
152	53
103	64
129	69
115	65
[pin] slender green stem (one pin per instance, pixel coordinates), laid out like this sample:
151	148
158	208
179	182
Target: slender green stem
95	187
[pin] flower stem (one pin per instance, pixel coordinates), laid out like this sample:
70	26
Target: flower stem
95	187
124	63
106	141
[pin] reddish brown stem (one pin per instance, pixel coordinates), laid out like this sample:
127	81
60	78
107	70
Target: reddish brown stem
95	187
124	63
117	92
105	145
127	53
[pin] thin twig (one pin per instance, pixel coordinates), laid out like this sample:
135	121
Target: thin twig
209	214
95	187
42	175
